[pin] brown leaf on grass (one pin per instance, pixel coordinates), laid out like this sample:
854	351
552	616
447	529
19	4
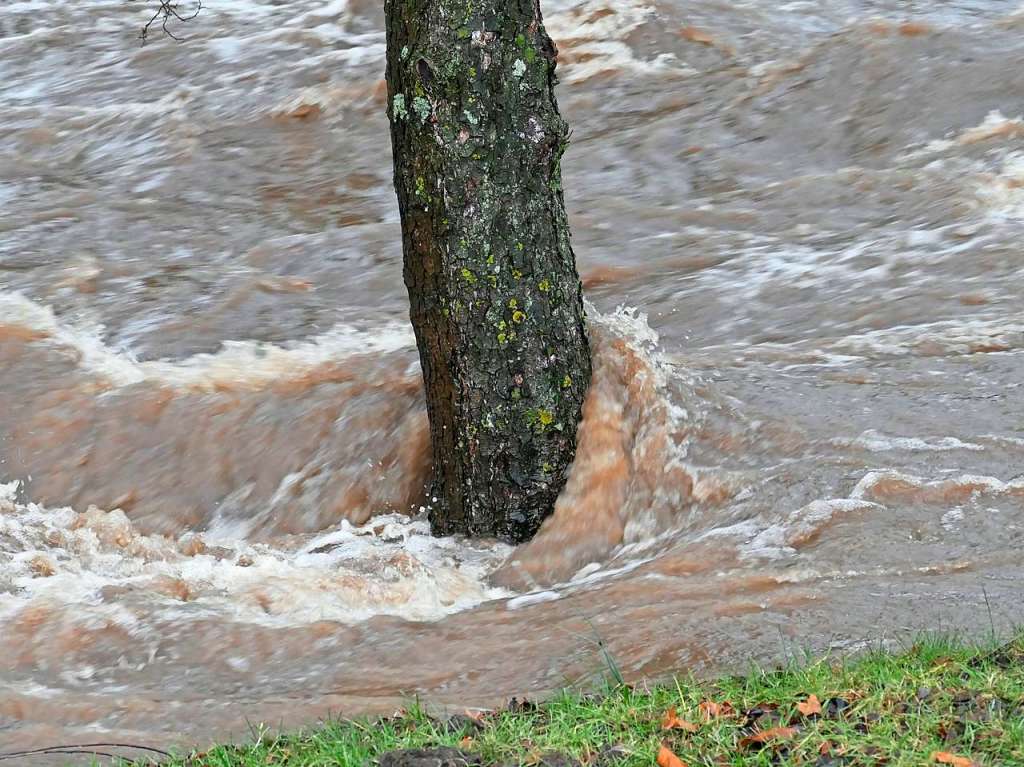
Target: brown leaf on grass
668	759
672	722
825	748
766	736
712	710
809	707
944	757
876	753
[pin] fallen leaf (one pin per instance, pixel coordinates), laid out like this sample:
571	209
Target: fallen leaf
710	709
672	722
668	759
876	753
764	736
944	757
835	707
810	707
825	748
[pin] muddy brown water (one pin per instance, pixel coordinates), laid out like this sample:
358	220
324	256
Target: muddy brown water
799	228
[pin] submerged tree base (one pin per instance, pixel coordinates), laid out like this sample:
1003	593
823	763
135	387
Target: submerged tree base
940	702
495	298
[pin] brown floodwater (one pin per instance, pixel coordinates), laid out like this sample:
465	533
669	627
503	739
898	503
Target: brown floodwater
799	227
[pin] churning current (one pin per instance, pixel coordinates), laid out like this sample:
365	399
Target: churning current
799	227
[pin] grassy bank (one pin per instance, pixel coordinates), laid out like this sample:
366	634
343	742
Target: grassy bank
937	702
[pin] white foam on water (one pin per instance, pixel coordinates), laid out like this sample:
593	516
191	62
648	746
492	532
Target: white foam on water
994	126
247	8
878	442
238	363
976	484
532	599
958	337
783	539
597	30
966	336
1002	439
1002	194
951	519
96	562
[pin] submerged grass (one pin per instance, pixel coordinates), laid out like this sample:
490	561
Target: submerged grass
939	701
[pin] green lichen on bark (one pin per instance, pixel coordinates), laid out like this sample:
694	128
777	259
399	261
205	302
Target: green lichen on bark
494	293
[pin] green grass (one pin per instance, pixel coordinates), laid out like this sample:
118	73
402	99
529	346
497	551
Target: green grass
937	696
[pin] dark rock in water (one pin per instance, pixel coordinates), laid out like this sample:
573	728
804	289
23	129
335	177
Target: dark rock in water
429	757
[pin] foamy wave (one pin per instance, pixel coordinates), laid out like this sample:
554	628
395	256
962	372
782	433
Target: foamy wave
882	486
801	527
1002	194
945	338
785	538
760	539
877	442
994	126
97	561
590	37
633	479
237	364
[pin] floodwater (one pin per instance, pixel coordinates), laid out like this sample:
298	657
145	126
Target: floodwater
799	227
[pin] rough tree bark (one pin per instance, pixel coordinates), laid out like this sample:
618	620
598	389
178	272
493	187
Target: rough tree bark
495	297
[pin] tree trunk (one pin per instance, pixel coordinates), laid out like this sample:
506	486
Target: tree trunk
496	301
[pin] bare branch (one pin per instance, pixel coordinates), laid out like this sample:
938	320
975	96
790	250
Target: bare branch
168	11
81	748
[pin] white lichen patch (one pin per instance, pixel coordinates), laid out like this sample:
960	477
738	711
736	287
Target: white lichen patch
398	109
422	108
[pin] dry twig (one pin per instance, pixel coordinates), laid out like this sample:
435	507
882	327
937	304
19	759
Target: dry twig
168	11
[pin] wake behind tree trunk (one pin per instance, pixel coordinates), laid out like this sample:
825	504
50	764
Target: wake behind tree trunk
495	297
